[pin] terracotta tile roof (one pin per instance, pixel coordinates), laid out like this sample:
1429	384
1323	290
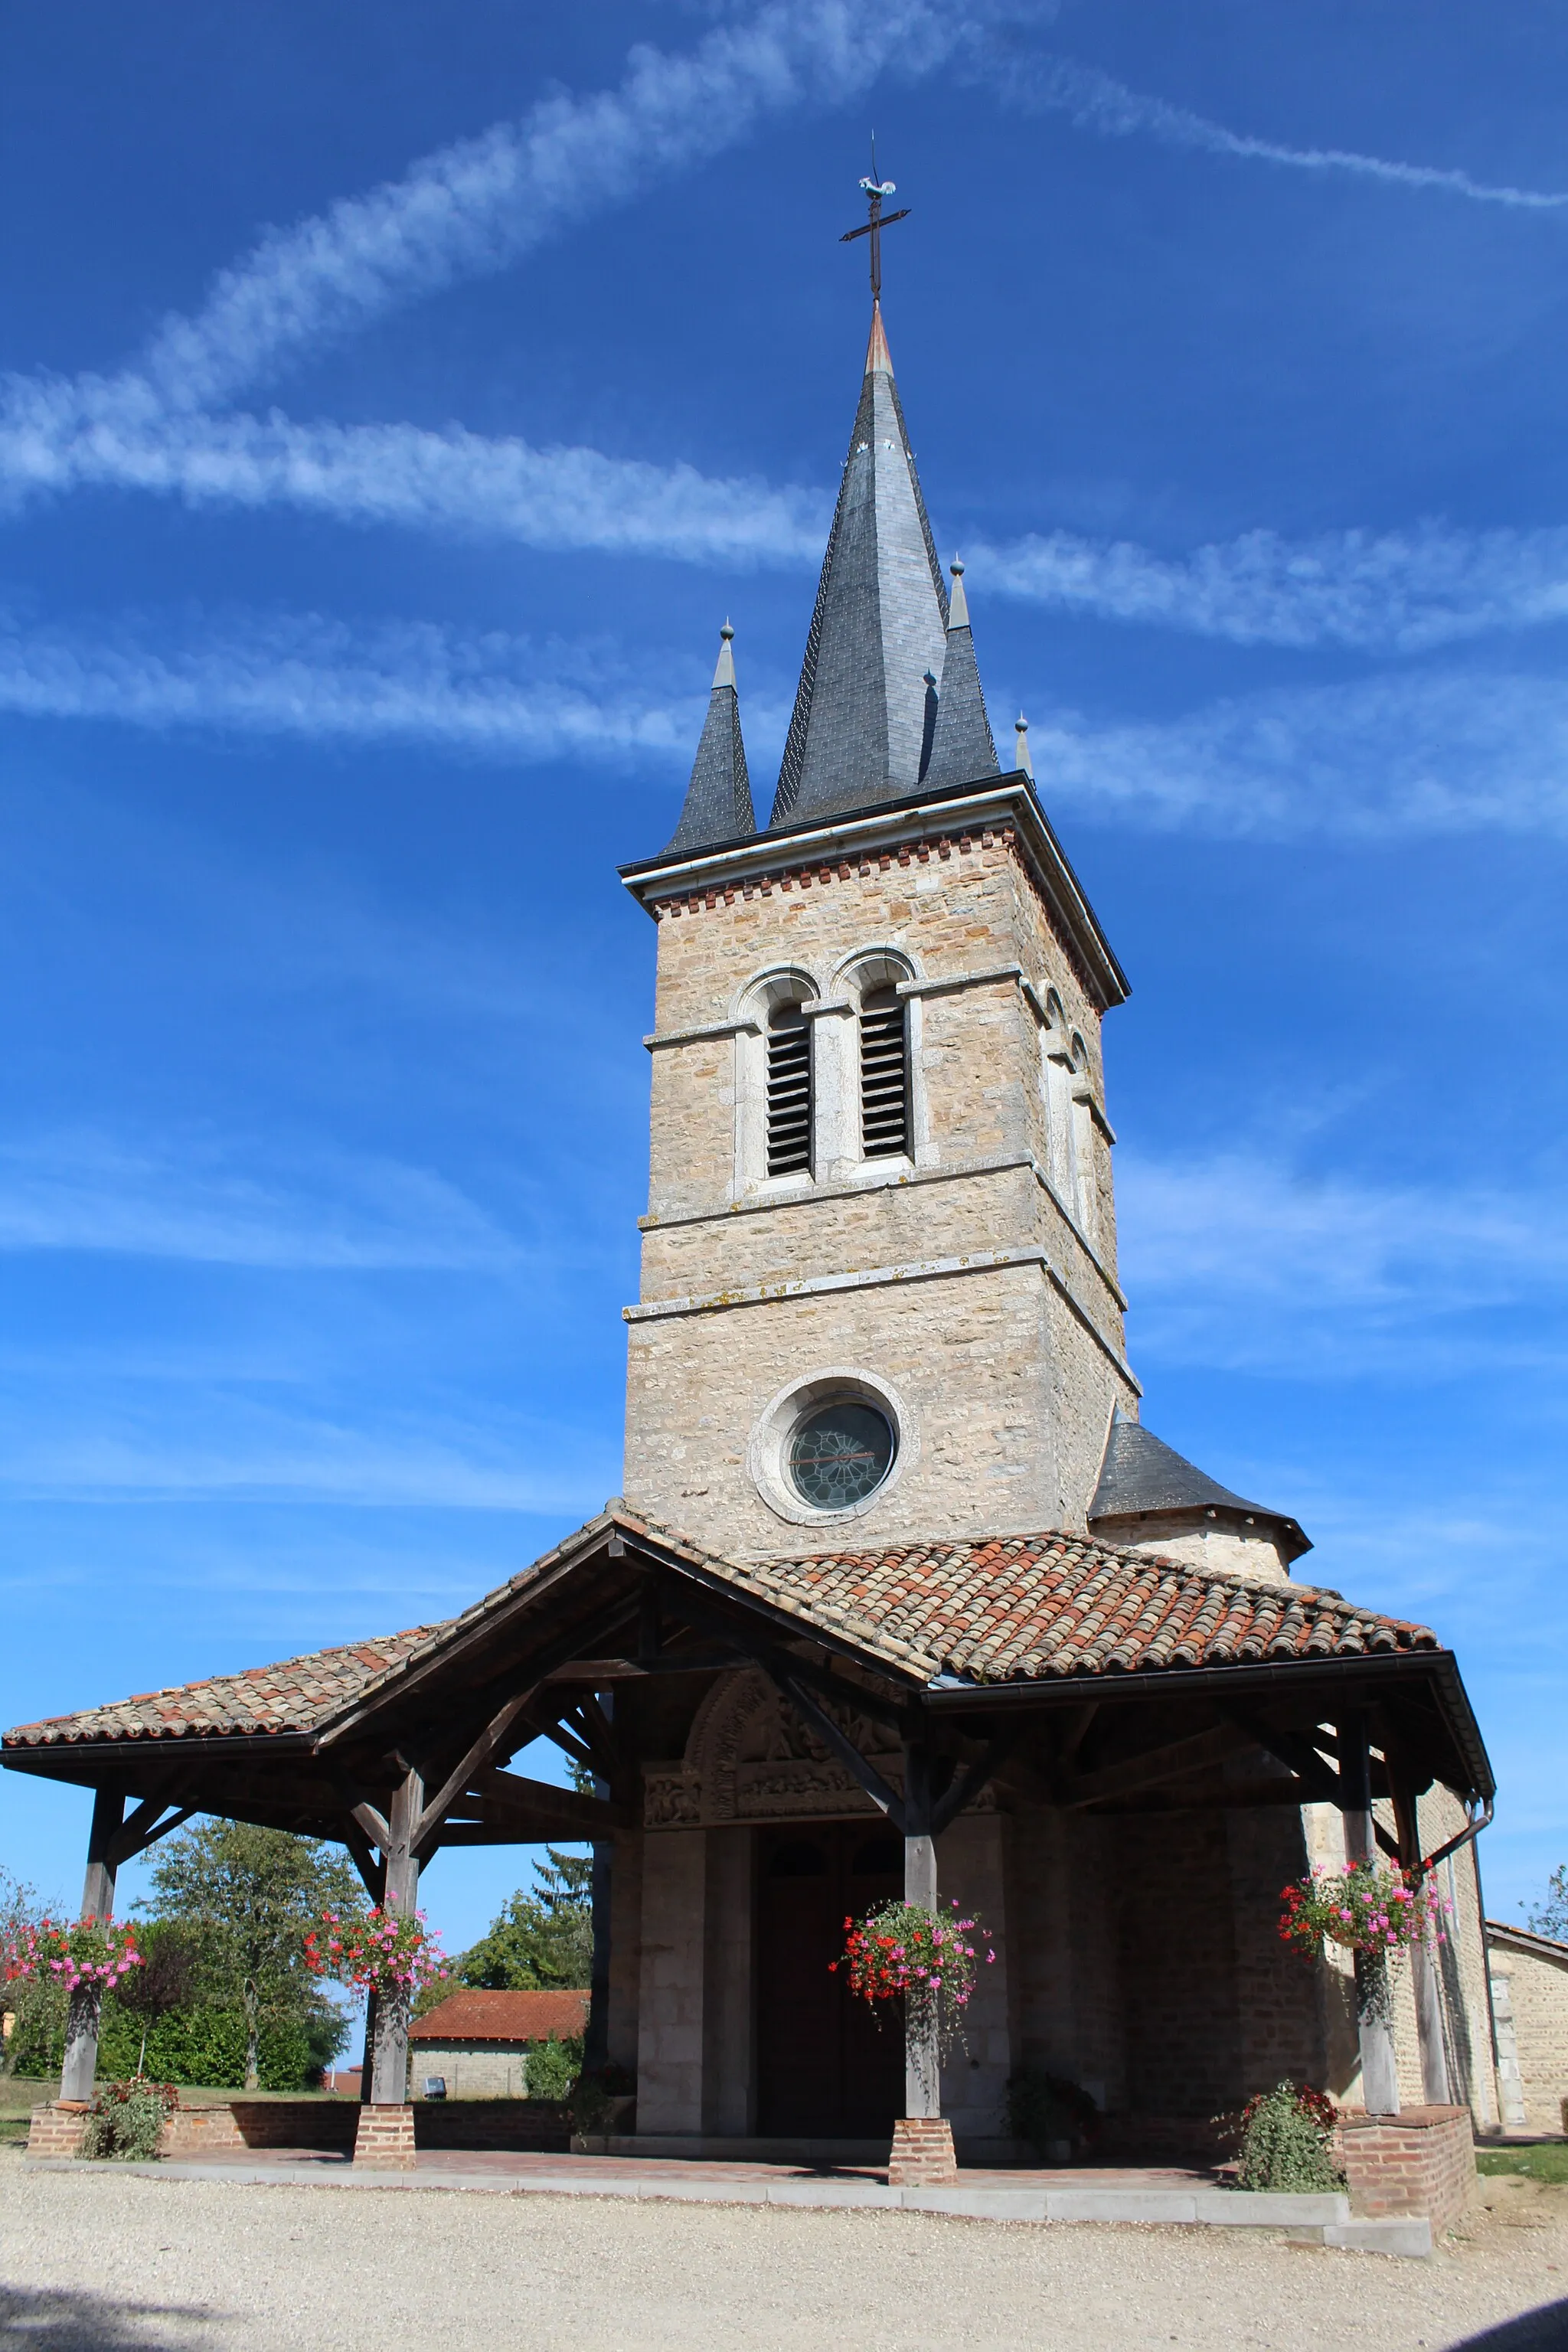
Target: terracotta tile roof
294	1695
1028	1608
469	2016
995	1608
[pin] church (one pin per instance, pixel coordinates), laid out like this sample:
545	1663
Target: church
903	1597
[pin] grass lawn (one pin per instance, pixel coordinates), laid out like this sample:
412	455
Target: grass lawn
1548	2161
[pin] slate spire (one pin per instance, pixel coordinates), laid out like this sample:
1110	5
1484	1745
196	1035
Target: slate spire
858	731
961	747
718	804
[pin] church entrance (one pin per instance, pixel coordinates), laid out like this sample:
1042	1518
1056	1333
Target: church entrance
824	2068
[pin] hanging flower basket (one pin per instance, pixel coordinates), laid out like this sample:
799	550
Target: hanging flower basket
1364	1909
392	1954
927	1959
90	1956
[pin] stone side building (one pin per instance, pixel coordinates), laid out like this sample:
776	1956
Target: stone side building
476	2042
1530	2002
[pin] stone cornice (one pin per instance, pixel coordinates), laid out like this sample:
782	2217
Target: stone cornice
994	812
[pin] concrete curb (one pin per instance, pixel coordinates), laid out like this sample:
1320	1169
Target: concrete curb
1324	2221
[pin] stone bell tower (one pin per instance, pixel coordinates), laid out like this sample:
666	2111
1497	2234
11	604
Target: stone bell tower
878	1297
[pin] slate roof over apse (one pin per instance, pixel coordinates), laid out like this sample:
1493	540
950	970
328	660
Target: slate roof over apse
860	732
294	1695
474	2016
1141	1473
718	804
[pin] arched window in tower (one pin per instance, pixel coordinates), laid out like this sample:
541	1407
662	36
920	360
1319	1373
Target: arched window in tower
789	1091
884	1073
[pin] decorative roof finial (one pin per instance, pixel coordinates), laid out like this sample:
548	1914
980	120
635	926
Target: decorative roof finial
875	191
1021	729
958	603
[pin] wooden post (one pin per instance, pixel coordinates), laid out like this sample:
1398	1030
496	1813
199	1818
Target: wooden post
392	2016
1424	1978
597	2033
367	2055
923	2068
97	1905
1373	1991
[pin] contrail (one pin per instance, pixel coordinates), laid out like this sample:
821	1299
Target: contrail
1096	103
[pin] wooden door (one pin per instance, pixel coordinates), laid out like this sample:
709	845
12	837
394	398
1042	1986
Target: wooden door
824	2067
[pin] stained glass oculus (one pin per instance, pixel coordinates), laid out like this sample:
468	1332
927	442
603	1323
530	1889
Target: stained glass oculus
840	1455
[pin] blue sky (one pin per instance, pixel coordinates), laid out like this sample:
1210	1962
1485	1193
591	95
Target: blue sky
396	402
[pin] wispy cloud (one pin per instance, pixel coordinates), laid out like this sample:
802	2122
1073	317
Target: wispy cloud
1403	590
306	675
195	1200
452	481
1095	102
1245	1261
479	206
105	1449
1411	753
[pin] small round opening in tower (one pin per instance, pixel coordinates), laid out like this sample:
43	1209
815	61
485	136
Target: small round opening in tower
841	1454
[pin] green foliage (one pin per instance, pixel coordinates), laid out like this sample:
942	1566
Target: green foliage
592	2095
1285	2144
554	2067
206	2045
1043	2107
242	1898
543	1941
1551	1917
1548	2162
127	2119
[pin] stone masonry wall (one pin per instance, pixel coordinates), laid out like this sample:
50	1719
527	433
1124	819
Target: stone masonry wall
1534	1987
1149	1967
1011	1372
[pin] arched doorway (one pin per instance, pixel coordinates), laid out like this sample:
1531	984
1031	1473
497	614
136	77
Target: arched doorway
824	2067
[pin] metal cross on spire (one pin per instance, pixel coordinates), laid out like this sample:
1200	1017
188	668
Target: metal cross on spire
875	191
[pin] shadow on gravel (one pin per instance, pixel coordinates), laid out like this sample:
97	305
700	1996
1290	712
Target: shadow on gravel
1545	2330
55	2319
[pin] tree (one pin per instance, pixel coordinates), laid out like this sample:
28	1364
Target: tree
544	1940
165	1982
1552	1918
245	1895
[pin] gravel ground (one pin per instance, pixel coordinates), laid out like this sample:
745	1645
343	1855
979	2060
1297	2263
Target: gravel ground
96	2262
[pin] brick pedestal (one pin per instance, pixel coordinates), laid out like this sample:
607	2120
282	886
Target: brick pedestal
922	2154
1422	2161
384	2140
56	2129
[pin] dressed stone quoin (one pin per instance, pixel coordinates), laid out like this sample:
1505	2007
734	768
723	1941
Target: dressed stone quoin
903	1598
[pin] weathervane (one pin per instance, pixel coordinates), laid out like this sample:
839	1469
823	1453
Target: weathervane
875	191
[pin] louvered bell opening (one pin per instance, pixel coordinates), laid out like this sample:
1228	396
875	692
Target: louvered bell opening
884	1076
789	1092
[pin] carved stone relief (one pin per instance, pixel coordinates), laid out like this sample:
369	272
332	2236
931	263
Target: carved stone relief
749	1757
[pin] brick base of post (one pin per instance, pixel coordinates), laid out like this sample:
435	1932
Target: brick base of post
922	2155
384	2140
1422	2161
56	2129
